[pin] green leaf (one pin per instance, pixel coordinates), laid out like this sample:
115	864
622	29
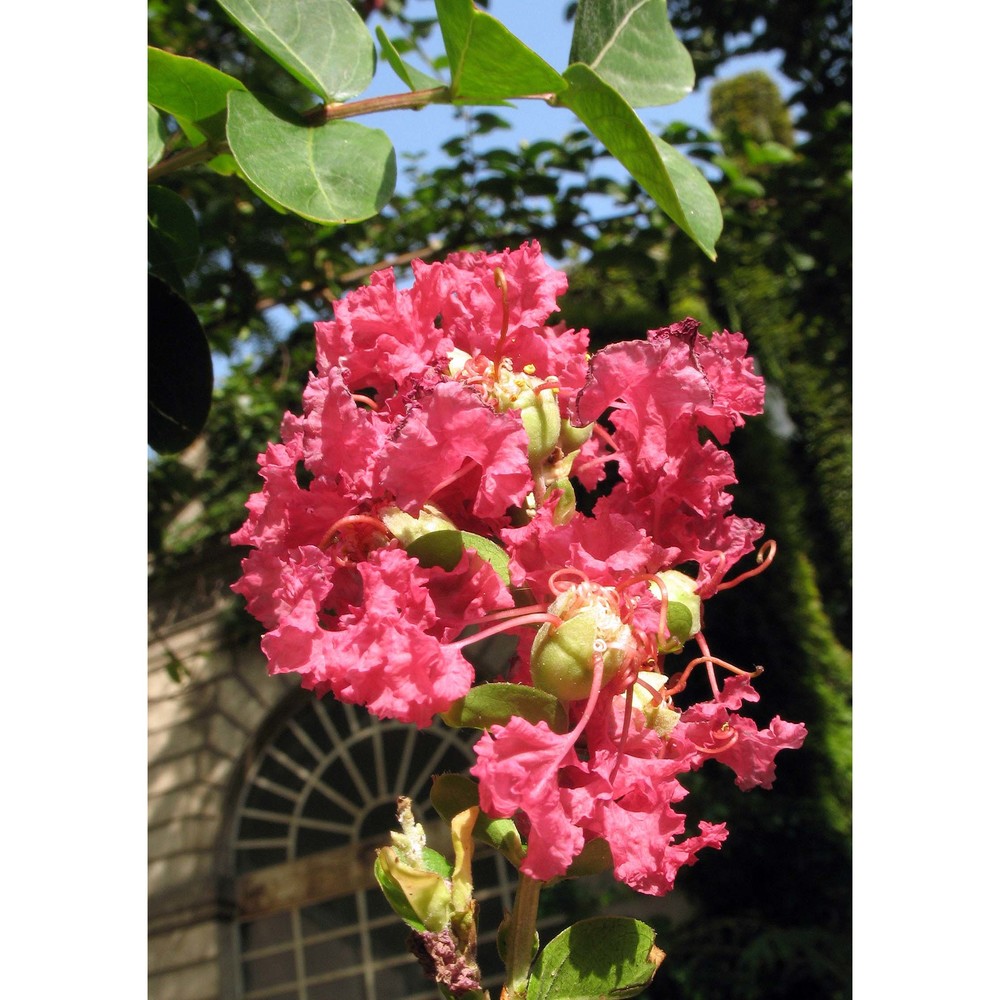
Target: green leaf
179	370
487	62
410	75
335	173
673	182
632	47
324	44
495	704
454	793
156	136
192	91
612	957
444	548
173	236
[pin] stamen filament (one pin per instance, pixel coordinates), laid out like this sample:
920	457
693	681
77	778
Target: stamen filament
364	400
454	477
539	618
765	557
500	280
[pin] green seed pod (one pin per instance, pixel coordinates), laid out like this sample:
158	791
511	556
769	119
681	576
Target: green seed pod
562	659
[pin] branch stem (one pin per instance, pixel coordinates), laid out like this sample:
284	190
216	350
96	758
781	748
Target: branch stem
521	937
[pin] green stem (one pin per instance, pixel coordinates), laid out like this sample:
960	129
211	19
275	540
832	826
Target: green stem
521	937
319	115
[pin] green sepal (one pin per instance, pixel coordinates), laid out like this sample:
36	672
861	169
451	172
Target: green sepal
606	957
496	704
444	548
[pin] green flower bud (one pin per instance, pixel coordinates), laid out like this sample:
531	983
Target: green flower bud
683	609
660	717
572	438
408	529
562	659
540	416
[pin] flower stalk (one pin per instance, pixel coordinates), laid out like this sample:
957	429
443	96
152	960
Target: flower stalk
521	938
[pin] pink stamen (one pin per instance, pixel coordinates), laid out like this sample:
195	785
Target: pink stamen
626	722
721	749
550	383
599	431
661	628
364	400
556	584
500	280
765	557
462	470
539	618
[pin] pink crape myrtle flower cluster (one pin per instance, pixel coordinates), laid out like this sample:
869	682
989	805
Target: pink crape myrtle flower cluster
450	409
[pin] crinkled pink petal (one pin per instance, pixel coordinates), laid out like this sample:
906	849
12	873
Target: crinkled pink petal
385	653
709	729
341	440
472	302
383	337
608	548
449	431
518	769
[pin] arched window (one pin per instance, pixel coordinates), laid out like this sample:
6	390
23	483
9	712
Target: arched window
318	798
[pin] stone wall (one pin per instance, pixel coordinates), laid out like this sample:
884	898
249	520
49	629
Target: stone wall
202	731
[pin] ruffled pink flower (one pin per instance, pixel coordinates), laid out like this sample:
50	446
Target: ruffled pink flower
712	729
661	395
450	433
388	646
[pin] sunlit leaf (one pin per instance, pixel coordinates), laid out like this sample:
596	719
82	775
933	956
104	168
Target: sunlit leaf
324	44
487	62
673	182
495	704
632	47
156	136
410	75
192	91
610	957
334	173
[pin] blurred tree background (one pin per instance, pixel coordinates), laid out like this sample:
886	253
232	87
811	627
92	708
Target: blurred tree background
772	910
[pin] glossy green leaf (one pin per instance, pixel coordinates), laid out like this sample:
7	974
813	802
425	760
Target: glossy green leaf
323	43
192	91
487	62
156	136
609	957
444	548
335	173
454	793
173	236
495	704
632	47
179	370
410	75
673	182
